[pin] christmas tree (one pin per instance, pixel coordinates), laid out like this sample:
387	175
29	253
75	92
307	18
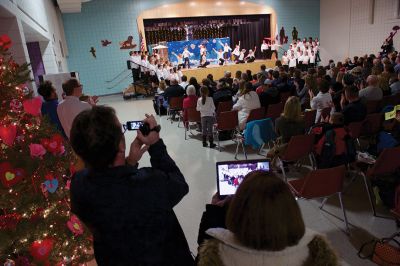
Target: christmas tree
36	164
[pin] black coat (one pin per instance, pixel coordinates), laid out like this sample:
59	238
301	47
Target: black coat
129	212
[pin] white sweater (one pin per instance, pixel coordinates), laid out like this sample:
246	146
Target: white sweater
244	105
233	253
207	109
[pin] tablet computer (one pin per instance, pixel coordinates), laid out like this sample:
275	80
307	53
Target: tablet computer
231	173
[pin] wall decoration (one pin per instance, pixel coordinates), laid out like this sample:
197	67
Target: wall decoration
128	44
93	51
105	43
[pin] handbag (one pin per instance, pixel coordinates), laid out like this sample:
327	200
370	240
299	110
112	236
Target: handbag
385	251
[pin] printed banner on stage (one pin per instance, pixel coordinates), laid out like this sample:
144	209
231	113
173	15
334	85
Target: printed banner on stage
176	48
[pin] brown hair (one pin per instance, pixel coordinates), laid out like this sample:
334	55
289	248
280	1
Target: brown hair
204	94
69	86
292	109
264	215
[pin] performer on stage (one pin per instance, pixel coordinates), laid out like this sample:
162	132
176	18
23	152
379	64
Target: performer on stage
203	61
220	56
241	57
274	49
179	58
186	54
251	55
135	65
202	49
312	59
306	60
227	49
264	49
285	61
236	52
292	61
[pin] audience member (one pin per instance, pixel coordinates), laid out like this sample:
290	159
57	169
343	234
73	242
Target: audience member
174	90
269	94
247	101
223	93
129	210
71	106
322	100
184	82
264	227
372	92
189	102
355	110
206	107
50	104
395	85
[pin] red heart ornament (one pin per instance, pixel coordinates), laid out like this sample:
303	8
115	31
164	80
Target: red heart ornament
33	106
10	176
5	41
8	134
40	249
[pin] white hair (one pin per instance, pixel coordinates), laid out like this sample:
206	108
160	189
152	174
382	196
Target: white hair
191	90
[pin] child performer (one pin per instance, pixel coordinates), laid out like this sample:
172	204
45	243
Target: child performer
241	57
227	49
207	110
220	56
186	54
251	55
264	49
203	60
179	58
236	52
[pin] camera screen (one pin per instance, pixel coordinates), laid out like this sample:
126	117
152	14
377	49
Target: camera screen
231	174
133	125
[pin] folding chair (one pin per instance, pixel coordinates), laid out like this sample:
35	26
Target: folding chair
256	114
373	106
372	124
298	147
355	129
284	96
309	118
226	121
224	107
324	113
193	116
258	133
175	106
274	110
387	163
321	183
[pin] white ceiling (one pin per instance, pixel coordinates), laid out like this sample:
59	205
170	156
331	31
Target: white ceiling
71	6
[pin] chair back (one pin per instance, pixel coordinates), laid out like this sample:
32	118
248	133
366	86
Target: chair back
355	129
284	96
323	182
299	147
390	100
372	124
388	162
274	110
193	115
309	118
227	120
373	106
175	103
224	106
256	114
325	112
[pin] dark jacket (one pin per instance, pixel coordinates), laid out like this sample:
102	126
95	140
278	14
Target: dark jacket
174	91
222	95
129	212
354	112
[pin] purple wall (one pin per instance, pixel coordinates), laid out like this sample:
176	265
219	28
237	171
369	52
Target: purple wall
35	57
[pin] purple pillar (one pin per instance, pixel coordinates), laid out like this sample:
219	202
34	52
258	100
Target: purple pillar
35	57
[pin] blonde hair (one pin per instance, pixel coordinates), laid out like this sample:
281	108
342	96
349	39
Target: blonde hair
292	109
162	85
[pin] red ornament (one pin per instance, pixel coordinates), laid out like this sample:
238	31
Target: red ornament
10	176
15	105
54	145
75	225
5	41
8	134
33	106
41	249
9	221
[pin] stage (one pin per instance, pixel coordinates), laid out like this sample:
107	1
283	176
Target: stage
218	71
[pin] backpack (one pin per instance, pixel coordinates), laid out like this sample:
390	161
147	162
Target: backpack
328	157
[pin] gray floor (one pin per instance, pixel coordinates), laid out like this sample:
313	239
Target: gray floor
198	166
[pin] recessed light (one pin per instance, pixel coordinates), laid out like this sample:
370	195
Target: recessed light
242	2
218	3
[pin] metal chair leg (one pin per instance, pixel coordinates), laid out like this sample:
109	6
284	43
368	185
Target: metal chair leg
237	149
219	145
367	187
323	203
282	169
346	223
244	149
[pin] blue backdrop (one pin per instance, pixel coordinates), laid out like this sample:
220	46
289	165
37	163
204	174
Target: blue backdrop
193	46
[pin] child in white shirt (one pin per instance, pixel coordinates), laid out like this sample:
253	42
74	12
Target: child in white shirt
206	107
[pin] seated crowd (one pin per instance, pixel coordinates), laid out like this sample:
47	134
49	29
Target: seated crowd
134	222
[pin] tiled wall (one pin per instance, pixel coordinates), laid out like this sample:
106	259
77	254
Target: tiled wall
115	20
348	30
